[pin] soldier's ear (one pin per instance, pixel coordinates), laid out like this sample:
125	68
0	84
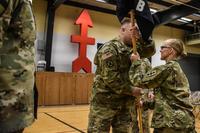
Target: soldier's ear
3	6
172	51
123	29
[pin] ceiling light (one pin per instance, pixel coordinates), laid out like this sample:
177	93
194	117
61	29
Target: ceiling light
181	20
153	10
195	14
101	1
186	19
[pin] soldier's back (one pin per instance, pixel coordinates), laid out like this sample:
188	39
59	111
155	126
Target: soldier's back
16	65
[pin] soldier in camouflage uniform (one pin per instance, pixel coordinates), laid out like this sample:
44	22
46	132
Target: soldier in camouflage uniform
113	94
173	110
18	33
147	99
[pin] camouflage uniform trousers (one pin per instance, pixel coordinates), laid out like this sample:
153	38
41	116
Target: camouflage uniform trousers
172	130
102	118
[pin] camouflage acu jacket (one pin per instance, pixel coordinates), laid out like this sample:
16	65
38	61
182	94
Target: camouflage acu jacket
111	84
17	28
172	108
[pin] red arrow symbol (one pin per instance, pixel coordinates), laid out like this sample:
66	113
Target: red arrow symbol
82	62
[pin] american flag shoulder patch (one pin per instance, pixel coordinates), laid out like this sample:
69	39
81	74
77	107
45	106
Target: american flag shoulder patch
106	55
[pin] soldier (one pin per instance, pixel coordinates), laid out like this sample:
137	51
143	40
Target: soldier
173	110
146	101
18	33
112	97
146	50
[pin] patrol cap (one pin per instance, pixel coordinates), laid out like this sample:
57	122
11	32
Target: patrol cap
178	46
3	6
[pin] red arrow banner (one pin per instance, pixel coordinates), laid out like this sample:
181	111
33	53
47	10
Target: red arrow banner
82	62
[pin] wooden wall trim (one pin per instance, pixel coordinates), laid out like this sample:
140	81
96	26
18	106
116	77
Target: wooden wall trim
57	88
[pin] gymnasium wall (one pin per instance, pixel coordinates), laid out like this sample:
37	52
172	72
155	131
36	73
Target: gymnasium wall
105	27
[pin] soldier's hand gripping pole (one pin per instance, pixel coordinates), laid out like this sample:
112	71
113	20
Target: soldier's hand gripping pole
139	110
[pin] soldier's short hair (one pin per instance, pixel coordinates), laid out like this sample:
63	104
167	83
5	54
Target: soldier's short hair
125	21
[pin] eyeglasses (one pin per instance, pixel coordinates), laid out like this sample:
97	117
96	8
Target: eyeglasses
162	47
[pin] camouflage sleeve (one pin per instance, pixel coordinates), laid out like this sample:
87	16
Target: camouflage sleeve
24	23
147	64
152	78
110	73
137	74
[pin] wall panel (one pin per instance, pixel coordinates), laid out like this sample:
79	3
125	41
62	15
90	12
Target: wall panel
67	88
52	88
81	91
56	88
40	83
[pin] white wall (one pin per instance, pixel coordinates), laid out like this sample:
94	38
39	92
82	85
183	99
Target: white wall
105	27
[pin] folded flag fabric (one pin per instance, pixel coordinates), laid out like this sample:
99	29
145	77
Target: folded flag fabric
143	15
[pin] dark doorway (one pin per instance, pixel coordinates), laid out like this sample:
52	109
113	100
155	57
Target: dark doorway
99	45
191	67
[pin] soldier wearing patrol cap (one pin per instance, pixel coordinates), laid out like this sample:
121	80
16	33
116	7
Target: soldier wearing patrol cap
173	110
18	33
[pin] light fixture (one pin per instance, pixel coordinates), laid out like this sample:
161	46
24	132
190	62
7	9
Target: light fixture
101	1
186	19
153	10
181	20
195	14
